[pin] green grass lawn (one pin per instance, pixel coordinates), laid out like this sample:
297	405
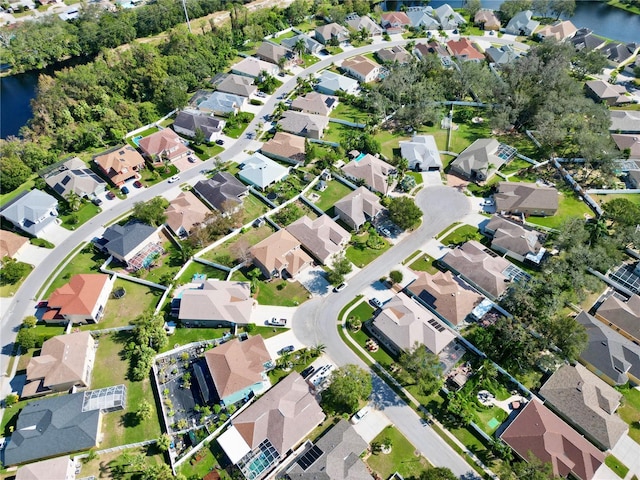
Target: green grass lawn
381	356
120	312
360	254
308	60
209	457
468	133
485	415
281	292
183	336
9	289
200	268
602	199
230	252
167	264
252	208
616	465
334	132
28	185
86	261
110	368
206	151
279	39
349	113
523	143
103	464
569	206
334	192
630	411
390	141
144	133
424	264
363	311
403	458
236	131
417	176
439	235
462	234
514	166
86	212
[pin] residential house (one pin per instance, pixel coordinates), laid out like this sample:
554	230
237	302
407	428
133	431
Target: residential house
444	294
214	303
237	85
188	123
330	83
421	50
361	68
358	207
622	315
486	20
54	426
222	192
613	357
402	323
73	176
587	402
395	54
184	213
633	177
618	53
601	91
395	22
304	124
521	24
286	148
316	103
322	238
585	39
274	53
331	33
120	164
628	142
539	431
372	171
261	172
365	22
220	103
33	212
464	50
280	255
238	368
449	19
624	121
421	153
82	300
526	199
254	68
514	240
559	31
422	18
311	46
500	56
10	244
163	145
59	468
268	430
135	244
478	160
339	452
484	269
65	362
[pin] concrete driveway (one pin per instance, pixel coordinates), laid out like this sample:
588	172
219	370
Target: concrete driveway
275	344
56	234
315	281
262	313
626	450
372	424
184	164
32	254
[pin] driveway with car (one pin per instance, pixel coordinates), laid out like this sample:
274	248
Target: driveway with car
262	313
315	281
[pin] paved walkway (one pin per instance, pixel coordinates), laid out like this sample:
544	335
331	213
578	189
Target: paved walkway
628	452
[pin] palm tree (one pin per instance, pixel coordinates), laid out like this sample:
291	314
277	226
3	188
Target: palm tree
74	201
318	349
299	47
597	229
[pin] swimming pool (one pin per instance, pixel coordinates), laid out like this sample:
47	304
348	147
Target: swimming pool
359	157
136	140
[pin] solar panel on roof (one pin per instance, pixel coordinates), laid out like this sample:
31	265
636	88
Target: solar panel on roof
66	180
59	189
310	457
436	325
79	172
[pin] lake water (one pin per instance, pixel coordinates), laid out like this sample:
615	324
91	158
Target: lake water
17	91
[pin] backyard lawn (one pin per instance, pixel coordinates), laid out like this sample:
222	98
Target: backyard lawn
72	220
425	264
360	254
514	166
200	268
279	38
209	457
349	113
183	336
144	133
403	458
334	192
281	292
110	368
86	261
206	151
103	464
570	206
461	235
334	132
234	250
252	208
630	411
602	199
616	465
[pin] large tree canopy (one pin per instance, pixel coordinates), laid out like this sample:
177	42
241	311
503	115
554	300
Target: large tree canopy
349	385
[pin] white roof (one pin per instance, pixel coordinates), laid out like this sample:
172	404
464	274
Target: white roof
233	445
261	171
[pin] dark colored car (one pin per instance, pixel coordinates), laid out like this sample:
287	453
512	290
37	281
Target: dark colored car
219	141
137	184
287	349
125	190
111	195
192	160
97	201
307	371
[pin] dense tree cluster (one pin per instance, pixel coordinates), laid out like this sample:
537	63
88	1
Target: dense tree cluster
349	385
151	212
404	212
424	367
148	337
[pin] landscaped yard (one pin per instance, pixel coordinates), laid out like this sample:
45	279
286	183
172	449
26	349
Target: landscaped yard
334	192
72	220
361	254
236	130
86	261
630	411
209	457
206	151
235	250
570	206
349	113
334	132
602	199
9	289
424	264
252	208
103	464
119	312
200	268
616	465
462	234
183	336
380	356
403	458
279	38
276	292
144	133
514	165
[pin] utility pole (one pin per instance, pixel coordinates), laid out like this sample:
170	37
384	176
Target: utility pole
186	15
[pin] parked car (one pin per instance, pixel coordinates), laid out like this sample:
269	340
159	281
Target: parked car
376	303
137	184
219	141
385	232
174	179
359	415
125	190
97	201
277	322
111	195
287	349
281	74
307	371
261	94
340	287
192	159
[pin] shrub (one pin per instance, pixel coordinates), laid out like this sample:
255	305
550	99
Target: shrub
255	101
395	276
41	242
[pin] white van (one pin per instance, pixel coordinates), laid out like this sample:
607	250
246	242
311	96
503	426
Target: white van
360	414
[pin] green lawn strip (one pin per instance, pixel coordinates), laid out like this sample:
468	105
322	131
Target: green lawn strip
348	306
236	131
616	465
364	312
412	257
425	264
453	225
144	133
9	289
55	273
380	356
279	38
630	411
360	254
349	113
184	336
602	199
252	208
570	206
334	192
200	268
308	60
624	6
86	212
110	368
417	176
27	185
204	462
403	458
514	165
462	234
206	151
119	312
281	292
166	123
86	261
107	461
334	132
229	253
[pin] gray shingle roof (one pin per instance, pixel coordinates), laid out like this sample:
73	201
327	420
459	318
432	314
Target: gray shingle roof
193	121
51	427
237	85
74	176
221	188
122	240
30	211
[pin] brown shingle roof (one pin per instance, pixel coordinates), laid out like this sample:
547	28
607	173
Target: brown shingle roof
559	31
217	300
514	196
539	431
464	48
371	170
360	64
119	163
185	211
323	237
79	296
286	145
281	250
10	243
624	315
236	365
314	102
164	142
359	205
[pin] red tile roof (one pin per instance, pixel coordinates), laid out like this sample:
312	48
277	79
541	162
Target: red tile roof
464	48
79	296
